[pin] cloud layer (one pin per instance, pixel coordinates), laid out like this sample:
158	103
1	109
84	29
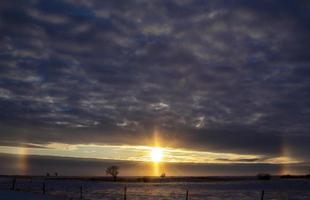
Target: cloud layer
224	76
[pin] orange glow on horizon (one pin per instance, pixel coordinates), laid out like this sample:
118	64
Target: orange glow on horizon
153	153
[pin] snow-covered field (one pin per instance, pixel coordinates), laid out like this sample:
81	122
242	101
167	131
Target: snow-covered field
9	195
222	190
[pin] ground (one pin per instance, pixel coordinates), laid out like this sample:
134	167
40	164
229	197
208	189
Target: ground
10	195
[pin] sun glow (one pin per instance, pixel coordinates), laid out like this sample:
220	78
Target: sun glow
156	154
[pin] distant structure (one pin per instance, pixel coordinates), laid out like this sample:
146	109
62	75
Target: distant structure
264	176
47	174
163	175
56	174
113	171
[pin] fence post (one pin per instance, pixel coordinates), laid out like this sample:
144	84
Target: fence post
262	195
125	193
81	192
43	188
186	194
13	184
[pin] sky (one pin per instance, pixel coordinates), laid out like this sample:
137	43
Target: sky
222	87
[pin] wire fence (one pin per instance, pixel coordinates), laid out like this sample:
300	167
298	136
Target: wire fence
96	190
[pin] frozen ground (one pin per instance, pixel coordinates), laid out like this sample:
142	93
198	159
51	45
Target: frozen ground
8	195
295	189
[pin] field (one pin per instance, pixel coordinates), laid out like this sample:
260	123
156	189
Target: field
213	189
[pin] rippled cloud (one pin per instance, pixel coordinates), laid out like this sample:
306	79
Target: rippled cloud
219	76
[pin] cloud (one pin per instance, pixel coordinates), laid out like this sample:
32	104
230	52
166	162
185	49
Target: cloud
218	75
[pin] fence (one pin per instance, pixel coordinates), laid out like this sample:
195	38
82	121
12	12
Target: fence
85	190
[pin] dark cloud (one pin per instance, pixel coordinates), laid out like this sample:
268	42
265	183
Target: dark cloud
240	160
229	76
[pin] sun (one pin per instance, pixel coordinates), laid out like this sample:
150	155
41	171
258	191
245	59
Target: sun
157	154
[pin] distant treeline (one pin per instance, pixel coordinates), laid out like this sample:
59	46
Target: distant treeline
152	179
145	179
265	176
295	176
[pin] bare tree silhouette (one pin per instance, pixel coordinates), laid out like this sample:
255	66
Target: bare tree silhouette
113	171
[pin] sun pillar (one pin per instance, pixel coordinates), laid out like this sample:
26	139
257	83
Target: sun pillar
156	155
